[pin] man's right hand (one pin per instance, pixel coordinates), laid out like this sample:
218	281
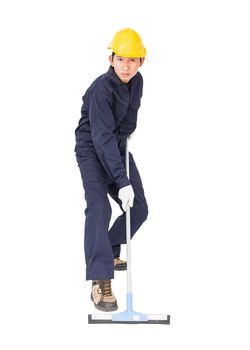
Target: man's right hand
126	195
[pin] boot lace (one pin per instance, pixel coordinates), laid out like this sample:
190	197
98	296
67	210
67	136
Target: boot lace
105	286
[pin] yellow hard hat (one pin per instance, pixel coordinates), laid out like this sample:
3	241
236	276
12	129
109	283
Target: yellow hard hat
127	43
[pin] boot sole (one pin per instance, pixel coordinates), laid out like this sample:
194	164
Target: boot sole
121	267
105	309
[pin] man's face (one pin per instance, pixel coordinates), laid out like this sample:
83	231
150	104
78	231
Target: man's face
125	68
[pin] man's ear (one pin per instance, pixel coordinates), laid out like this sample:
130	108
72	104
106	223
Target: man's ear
142	59
111	60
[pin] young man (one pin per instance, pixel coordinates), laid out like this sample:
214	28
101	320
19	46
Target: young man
108	117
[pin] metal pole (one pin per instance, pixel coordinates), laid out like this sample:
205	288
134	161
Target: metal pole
128	232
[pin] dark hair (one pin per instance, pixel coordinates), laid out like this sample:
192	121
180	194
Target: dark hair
113	54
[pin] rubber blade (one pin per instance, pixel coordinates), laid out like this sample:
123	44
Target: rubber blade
92	319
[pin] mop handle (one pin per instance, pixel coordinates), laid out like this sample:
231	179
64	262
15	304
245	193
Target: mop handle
128	231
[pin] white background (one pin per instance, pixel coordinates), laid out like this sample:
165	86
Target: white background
191	259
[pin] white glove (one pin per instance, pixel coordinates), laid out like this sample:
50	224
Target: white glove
126	195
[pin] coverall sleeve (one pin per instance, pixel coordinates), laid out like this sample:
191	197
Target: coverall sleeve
103	132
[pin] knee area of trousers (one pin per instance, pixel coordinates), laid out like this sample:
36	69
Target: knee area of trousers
100	206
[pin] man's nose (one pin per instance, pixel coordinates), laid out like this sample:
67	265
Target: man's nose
125	64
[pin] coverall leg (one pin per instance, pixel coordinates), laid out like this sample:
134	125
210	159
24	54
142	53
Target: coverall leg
98	251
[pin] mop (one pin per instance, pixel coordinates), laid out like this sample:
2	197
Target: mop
129	316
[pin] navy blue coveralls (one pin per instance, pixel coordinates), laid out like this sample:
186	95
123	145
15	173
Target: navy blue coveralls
108	117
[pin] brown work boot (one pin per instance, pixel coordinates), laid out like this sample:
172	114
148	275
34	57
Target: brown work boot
120	265
103	296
